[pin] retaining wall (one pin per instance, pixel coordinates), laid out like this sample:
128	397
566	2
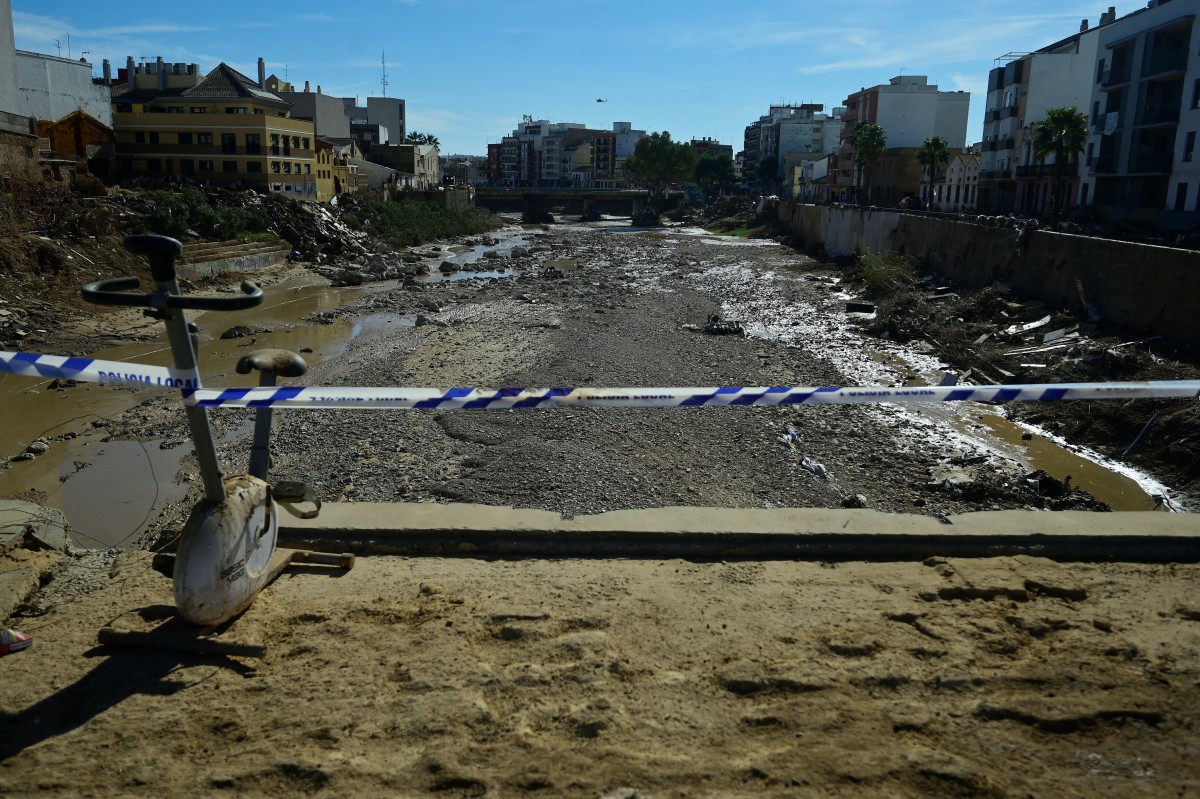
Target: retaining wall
239	263
1143	288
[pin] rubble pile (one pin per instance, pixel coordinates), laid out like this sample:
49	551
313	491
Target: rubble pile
992	337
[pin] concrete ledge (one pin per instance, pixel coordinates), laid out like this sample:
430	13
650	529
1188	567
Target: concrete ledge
725	533
241	263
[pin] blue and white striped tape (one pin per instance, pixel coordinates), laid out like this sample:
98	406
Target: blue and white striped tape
725	396
94	370
507	398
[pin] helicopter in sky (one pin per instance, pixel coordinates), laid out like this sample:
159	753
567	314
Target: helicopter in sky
601	100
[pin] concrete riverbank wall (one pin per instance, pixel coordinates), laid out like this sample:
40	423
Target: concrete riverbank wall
1146	289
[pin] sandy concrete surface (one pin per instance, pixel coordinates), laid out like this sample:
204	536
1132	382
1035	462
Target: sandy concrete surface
621	678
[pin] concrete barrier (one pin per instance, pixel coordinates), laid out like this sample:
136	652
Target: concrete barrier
1145	288
237	263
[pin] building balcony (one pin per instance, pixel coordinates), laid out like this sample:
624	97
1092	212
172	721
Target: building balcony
1114	77
995	174
1166	62
1000	144
1036	171
1166	116
1157	164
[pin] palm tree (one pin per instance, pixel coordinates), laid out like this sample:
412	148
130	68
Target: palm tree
416	137
1063	134
870	142
934	151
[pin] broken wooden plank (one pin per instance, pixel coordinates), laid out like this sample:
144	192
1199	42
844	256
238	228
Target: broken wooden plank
1025	328
1062	332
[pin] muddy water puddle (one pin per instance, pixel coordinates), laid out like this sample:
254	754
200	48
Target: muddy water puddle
108	489
1121	492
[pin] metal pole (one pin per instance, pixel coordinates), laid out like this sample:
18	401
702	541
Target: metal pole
161	252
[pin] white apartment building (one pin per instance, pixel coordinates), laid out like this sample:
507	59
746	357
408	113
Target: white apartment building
1019	94
909	109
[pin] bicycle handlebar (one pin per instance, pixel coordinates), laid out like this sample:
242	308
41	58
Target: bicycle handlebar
113	292
161	252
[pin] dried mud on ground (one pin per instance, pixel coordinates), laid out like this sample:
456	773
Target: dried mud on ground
1002	677
1006	677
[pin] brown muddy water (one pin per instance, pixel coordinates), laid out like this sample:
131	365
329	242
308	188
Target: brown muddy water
109	490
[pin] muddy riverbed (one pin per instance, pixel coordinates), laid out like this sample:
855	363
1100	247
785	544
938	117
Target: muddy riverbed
609	679
580	305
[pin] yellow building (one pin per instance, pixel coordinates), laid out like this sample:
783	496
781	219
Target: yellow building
223	130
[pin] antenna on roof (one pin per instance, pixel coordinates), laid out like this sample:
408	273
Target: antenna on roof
383	63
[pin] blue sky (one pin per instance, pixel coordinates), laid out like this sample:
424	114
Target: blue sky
469	69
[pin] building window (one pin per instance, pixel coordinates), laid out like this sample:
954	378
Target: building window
306	147
308	169
228	143
185	138
204	138
1189	145
296	142
254	166
254	143
1181	196
235	110
1196	94
124	108
229	166
198	109
154	137
206	166
175	109
153	165
275	167
139	137
287	167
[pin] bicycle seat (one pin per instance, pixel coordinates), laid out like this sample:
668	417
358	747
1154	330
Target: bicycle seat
282	363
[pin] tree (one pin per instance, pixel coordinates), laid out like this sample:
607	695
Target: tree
713	173
658	162
1063	134
870	142
933	152
416	137
767	174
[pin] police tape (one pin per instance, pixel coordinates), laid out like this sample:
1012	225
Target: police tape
400	398
94	370
728	396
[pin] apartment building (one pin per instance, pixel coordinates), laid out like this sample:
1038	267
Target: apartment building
381	115
328	113
545	153
788	129
1021	88
1145	111
910	110
223	128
